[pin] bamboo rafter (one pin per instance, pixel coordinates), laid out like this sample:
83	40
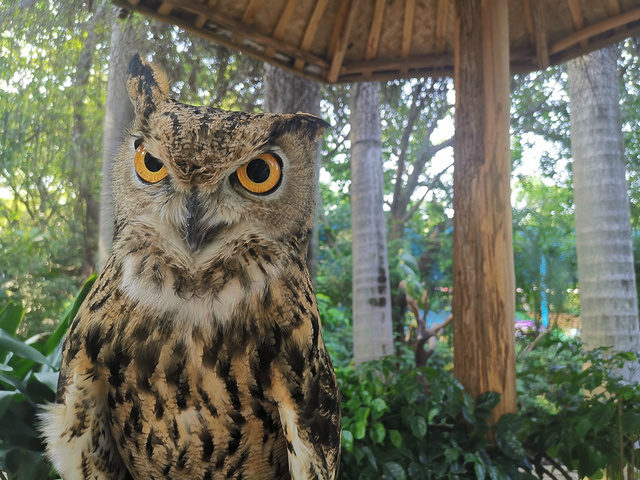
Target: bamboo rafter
283	22
441	26
342	43
310	31
376	28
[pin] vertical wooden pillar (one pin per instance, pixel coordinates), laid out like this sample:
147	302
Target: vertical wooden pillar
483	272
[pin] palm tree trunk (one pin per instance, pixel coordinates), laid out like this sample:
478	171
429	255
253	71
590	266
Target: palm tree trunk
118	116
372	328
609	310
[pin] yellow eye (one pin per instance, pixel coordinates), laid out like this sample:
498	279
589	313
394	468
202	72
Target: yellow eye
261	175
148	167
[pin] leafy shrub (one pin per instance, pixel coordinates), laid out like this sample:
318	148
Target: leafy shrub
337	332
28	377
579	412
400	422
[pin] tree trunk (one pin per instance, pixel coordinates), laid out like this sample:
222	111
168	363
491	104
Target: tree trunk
118	116
87	208
609	310
372	328
483	272
285	92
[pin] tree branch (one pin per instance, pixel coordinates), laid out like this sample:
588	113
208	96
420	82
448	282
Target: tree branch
430	186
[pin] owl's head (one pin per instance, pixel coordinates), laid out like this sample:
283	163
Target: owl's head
196	176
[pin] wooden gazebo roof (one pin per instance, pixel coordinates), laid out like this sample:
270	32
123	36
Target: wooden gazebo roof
356	40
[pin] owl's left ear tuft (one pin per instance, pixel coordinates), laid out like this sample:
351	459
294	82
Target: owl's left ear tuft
306	124
147	85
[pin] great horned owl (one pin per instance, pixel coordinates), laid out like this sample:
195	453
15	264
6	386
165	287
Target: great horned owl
198	352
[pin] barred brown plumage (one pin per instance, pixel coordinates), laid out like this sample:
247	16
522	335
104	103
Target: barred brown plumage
198	353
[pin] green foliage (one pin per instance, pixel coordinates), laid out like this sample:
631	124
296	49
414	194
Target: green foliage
553	238
28	378
337	331
401	423
578	410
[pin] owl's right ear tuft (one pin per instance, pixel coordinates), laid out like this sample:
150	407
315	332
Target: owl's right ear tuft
147	85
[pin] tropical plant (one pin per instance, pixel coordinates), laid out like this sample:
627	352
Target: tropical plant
28	378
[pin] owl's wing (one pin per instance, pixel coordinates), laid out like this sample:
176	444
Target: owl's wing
310	415
76	428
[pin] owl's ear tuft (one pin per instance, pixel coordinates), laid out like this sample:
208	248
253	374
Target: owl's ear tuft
147	85
300	123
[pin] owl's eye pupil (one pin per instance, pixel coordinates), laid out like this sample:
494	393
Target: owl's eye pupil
258	171
152	163
261	175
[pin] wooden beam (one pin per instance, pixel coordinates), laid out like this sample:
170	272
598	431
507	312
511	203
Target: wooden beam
596	29
165	8
540	34
407	28
528	20
310	31
376	29
384	76
616	37
202	19
248	17
576	14
341	17
343	43
578	18
234	26
281	27
226	42
441	26
612	7
415	62
483	272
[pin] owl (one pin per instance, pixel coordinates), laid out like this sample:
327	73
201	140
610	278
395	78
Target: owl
198	352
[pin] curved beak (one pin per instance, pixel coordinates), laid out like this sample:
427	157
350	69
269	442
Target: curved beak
196	234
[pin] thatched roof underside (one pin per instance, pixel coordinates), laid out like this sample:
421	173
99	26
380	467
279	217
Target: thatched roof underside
358	40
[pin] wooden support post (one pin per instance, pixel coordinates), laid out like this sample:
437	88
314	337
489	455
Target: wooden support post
483	272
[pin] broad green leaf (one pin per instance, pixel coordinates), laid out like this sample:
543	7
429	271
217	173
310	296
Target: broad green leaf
419	426
394	470
485	403
6	397
347	440
509	444
50	379
582	427
370	456
600	416
11	317
56	337
396	439
630	422
478	467
378	407
377	432
21	349
360	428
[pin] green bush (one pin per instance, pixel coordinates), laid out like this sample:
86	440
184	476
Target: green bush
28	378
400	422
579	412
